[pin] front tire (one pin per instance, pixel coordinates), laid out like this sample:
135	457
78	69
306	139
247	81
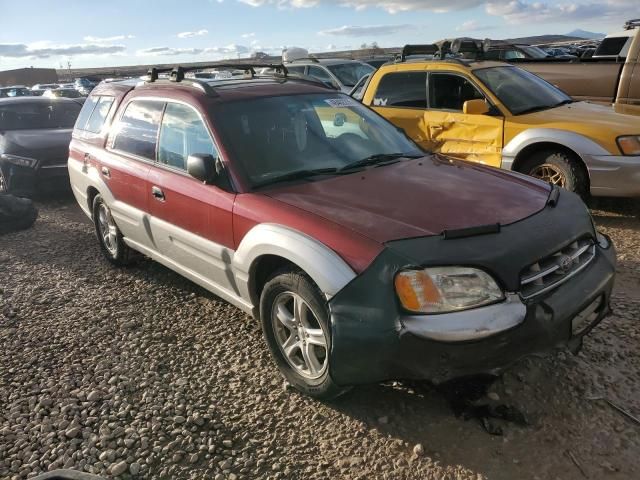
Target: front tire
109	236
295	324
558	168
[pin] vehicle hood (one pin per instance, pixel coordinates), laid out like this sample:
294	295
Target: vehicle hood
49	146
420	197
598	122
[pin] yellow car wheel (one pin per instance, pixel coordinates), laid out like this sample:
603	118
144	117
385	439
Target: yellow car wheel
558	168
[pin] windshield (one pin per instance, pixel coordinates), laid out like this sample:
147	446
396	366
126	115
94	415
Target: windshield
519	90
32	115
350	73
277	136
533	52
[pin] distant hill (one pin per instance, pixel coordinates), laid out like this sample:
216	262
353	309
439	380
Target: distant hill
540	39
585	34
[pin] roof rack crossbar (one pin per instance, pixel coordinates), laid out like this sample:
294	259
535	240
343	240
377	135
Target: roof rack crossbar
427	49
177	73
313	59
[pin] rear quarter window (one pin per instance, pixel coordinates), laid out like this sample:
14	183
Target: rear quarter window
94	113
85	112
99	115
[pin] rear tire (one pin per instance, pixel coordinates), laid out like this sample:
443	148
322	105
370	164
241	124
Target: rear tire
558	168
295	324
109	236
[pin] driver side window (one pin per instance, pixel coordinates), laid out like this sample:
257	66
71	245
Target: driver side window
449	92
182	133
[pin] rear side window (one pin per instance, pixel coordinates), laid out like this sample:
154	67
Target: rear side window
611	46
137	130
296	70
182	134
402	89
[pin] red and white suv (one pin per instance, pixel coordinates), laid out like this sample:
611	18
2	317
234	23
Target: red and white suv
364	258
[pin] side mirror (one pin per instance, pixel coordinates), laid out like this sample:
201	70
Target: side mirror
475	107
202	166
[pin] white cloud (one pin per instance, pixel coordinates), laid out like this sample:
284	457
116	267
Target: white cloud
115	38
472	26
513	11
47	50
224	51
197	33
169	51
520	11
248	35
365	31
391	6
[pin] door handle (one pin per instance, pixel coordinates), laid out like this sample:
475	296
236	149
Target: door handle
157	193
106	172
436	128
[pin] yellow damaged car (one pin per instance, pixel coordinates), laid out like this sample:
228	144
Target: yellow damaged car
498	114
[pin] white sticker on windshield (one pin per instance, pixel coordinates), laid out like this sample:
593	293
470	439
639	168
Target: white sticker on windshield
340	102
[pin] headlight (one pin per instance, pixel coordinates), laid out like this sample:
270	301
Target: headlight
446	289
629	144
20	161
602	240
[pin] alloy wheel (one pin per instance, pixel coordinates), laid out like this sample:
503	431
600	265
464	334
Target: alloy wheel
300	335
108	230
549	173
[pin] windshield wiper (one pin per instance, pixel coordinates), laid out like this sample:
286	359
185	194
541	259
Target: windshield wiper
297	175
377	159
537	108
564	102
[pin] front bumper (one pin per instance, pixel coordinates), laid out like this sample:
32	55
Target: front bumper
412	348
614	175
25	181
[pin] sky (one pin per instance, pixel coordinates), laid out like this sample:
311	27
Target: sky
130	32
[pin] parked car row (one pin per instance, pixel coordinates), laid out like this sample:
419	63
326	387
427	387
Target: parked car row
81	87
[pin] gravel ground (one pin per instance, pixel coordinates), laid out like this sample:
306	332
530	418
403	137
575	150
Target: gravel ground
138	373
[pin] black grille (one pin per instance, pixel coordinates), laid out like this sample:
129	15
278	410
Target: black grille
549	272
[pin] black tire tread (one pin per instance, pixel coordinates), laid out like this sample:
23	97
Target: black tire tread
574	171
298	281
124	256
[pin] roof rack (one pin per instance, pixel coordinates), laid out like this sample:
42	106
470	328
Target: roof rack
427	49
466	45
631	24
306	59
177	75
